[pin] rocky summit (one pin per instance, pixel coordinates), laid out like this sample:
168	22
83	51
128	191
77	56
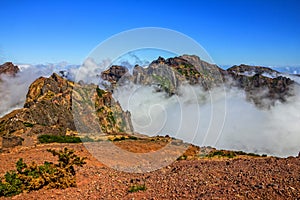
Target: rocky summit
49	107
58	106
9	68
167	74
263	86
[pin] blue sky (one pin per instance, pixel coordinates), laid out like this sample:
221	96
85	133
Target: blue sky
260	32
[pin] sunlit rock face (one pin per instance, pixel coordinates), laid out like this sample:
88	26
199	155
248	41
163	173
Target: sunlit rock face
49	107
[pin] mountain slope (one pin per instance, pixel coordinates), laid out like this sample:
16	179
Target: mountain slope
263	86
9	68
168	74
49	110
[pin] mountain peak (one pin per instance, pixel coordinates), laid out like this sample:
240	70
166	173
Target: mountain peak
49	109
9	68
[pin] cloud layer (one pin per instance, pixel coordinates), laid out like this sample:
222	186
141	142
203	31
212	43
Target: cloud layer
220	117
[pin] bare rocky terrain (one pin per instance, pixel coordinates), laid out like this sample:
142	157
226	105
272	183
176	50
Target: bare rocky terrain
242	177
50	106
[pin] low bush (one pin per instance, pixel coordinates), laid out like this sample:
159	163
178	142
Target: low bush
231	154
130	137
58	139
116	139
137	187
49	175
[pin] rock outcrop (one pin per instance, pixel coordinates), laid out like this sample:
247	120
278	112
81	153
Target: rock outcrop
249	70
9	69
49	109
114	73
57	106
168	74
263	86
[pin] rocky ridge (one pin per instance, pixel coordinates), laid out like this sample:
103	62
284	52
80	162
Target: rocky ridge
167	74
51	103
9	69
263	86
49	107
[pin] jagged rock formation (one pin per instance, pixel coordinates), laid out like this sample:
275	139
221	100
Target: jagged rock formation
168	74
252	70
52	103
48	110
9	68
114	73
96	111
262	85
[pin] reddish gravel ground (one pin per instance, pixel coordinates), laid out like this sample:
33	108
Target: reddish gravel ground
239	178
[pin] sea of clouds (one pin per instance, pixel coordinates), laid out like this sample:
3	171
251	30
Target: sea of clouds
220	117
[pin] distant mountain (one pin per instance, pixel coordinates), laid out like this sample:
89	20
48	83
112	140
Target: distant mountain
259	83
62	68
167	74
9	68
51	102
288	69
248	70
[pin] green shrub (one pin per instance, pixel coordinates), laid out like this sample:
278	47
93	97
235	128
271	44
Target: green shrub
130	137
118	139
27	124
49	175
100	92
183	157
59	139
11	186
230	154
88	139
137	187
253	154
64	139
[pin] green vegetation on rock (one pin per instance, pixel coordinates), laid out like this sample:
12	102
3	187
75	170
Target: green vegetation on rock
49	175
231	154
137	185
58	139
64	139
135	188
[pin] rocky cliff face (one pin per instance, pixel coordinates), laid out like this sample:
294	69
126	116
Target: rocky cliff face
48	110
168	74
51	103
263	86
9	68
248	70
96	111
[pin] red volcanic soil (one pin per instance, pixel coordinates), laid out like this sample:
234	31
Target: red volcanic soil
216	178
